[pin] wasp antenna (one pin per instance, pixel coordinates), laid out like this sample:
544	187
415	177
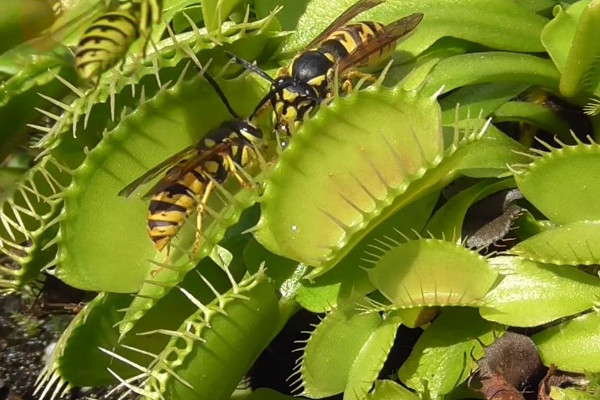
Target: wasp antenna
250	67
220	93
262	102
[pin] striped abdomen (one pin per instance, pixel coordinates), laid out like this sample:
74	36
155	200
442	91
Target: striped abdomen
348	38
170	208
105	43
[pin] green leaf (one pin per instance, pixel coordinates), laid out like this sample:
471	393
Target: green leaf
341	349
537	115
542	7
442	357
286	273
91	328
543	182
482	98
181	23
486	157
23	20
572	346
431	272
558	34
581	66
576	243
370	359
215	12
476	68
532	294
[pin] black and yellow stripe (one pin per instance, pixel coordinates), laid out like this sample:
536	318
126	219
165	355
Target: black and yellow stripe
169	209
105	43
107	40
349	38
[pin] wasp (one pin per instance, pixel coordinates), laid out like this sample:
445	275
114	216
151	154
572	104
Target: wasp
194	173
342	47
108	38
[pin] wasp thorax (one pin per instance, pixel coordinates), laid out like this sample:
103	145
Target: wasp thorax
310	67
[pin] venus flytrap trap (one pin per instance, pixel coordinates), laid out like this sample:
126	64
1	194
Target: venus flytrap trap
366	192
566	40
356	344
90	328
29	222
574	239
25	93
136	145
560	344
365	142
222	327
435	273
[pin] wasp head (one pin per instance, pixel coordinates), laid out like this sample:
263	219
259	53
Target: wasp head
247	131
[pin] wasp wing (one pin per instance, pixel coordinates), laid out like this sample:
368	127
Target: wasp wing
173	176
188	152
358	8
188	159
380	40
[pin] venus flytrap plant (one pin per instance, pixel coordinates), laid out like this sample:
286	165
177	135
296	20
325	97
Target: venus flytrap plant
355	219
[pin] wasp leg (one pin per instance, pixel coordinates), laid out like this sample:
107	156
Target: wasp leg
233	168
199	211
147	35
354	75
146	24
262	110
